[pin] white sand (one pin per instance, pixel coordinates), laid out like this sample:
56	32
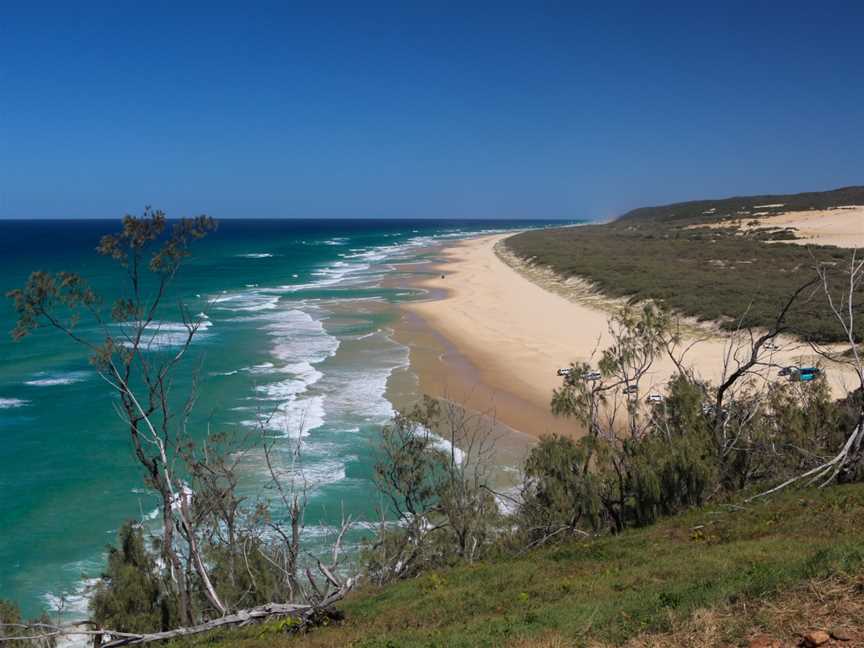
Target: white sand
843	227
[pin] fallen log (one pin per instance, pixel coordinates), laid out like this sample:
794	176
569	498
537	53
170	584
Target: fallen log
239	619
304	613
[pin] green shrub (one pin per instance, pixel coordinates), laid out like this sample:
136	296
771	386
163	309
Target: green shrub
13	625
130	597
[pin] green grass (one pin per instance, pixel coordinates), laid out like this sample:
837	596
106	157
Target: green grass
605	590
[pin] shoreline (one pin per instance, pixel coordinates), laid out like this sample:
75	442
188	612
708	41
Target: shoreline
452	366
491	337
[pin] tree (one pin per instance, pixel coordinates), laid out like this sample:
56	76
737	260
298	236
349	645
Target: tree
15	632
445	509
846	464
150	255
131	596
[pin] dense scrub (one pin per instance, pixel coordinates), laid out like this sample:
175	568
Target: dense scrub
709	274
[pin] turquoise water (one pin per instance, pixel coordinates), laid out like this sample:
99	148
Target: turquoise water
296	323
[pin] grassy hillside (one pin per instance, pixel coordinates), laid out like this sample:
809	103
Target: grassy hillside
718	274
650	586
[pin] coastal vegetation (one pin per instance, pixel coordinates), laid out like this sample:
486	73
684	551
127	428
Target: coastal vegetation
714	576
692	258
657	511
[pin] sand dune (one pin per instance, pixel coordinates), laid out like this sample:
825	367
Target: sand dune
843	227
516	334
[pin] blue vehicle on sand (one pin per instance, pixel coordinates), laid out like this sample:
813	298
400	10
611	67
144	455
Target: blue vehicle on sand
805	374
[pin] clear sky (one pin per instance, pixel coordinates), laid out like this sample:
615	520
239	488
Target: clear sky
422	108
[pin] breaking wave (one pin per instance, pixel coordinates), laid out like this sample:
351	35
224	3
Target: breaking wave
46	379
11	403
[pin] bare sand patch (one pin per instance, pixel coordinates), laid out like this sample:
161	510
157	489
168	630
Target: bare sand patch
840	226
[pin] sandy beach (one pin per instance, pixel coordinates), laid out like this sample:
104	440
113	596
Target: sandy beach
491	338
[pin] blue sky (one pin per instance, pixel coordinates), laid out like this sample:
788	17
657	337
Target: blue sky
423	109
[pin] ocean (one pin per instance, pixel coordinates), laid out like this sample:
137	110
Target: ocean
297	316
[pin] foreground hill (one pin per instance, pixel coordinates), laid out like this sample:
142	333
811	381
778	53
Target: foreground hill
705	259
716	576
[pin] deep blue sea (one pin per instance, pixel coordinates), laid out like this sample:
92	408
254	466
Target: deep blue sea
295	321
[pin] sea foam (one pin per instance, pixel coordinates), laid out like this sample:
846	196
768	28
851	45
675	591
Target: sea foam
248	301
11	403
160	335
45	379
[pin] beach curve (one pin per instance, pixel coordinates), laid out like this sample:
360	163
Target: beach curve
505	336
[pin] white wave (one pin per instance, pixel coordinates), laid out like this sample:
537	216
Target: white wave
250	301
11	403
329	279
373	254
313	471
290	387
359	264
358	391
299	342
362	336
256	255
158	335
299	337
446	447
293	418
263	368
319	473
334	274
46	379
362	395
72	603
343	393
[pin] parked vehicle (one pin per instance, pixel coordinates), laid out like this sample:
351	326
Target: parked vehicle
770	346
591	375
805	374
630	389
654	398
787	371
566	371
